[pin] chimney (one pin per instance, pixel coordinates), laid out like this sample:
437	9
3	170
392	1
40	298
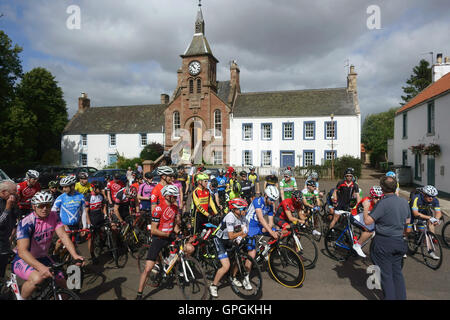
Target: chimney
440	69
164	98
439	58
352	88
235	86
83	103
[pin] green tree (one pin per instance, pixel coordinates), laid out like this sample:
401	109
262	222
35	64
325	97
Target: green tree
41	95
376	130
419	80
152	151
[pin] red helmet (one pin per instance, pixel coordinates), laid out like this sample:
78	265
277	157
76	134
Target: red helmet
237	203
376	192
297	196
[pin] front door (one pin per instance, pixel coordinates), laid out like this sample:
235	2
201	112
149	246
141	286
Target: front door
430	170
196	142
287	159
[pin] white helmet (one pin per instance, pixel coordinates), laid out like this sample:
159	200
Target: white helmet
170	190
42	197
314	175
287	173
68	181
32	174
272	192
164	171
430	191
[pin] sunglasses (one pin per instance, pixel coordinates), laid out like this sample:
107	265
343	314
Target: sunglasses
348	175
44	205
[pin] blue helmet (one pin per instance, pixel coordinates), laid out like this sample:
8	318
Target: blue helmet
390	174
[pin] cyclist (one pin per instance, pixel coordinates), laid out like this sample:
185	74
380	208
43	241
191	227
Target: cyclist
246	187
202	203
271	180
34	237
345	191
253	177
311	200
233	228
167	176
95	213
8	218
284	214
365	206
287	185
234	187
123	202
53	186
26	191
393	175
212	187
113	187
314	176
330	204
179	185
165	226
145	193
83	186
222	182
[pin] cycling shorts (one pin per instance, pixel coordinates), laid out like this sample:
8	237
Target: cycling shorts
156	246
97	219
280	222
358	221
23	270
222	246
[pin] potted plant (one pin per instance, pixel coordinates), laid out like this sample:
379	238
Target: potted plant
417	149
432	149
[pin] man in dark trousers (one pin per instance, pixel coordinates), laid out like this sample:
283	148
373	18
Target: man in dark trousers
390	215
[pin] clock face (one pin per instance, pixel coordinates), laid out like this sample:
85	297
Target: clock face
194	68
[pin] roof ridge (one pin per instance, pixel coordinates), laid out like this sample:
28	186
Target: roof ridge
292	91
134	105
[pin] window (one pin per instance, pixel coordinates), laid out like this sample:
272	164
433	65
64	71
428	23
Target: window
112	140
329	155
83	160
112	158
247	131
405	157
143	139
199	85
330	130
191	86
266	159
247	158
288	131
176	124
405	125
84	140
309	130
430	118
218	157
217	123
417	166
266	129
308	158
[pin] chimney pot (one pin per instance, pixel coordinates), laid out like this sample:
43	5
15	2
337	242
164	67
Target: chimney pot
83	103
439	58
447	59
164	98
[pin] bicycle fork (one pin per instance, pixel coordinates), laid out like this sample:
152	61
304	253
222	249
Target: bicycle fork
297	242
15	287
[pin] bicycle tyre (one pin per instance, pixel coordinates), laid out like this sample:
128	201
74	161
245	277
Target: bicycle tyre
411	242
337	252
121	250
446	234
287	256
309	252
255	277
62	294
317	220
429	261
195	287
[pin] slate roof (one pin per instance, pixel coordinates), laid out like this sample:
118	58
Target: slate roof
295	103
120	119
199	46
223	90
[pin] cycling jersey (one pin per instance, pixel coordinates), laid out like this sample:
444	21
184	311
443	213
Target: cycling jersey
157	196
202	201
114	187
7	223
234	188
180	189
287	205
83	189
359	208
145	190
310	196
419	204
70	208
271	180
253	178
122	198
288	187
221	183
231	223
25	193
246	189
252	217
165	215
345	193
94	202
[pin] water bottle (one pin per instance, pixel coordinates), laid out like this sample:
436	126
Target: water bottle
203	233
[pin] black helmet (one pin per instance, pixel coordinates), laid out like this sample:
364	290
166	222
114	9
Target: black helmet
310	183
214	183
243	173
148	175
349	171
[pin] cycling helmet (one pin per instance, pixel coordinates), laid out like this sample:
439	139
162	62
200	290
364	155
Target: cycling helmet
287	173
53	184
310	183
164	171
32	174
170	190
221	172
390	174
42	197
83	175
272	193
148	175
237	203
376	191
297	195
243	173
430	191
349	171
314	175
214	183
68	181
252	168
202	176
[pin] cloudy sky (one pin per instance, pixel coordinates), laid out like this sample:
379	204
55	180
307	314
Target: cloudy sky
127	52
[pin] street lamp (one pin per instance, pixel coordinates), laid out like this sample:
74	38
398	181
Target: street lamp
332	148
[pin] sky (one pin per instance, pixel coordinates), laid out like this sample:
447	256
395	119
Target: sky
127	52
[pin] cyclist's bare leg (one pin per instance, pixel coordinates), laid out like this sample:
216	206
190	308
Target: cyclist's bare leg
365	235
222	271
144	275
334	221
248	263
29	286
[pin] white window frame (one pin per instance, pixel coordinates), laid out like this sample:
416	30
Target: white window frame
311	130
112	136
247	128
287	125
264	154
143	139
175	125
218	157
217	124
266	131
84	140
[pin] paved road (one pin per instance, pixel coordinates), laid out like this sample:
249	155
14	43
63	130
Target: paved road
328	280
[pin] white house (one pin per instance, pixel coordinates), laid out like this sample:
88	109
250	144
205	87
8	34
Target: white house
422	122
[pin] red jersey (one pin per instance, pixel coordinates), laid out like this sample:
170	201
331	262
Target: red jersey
25	194
165	216
285	205
157	197
114	187
359	207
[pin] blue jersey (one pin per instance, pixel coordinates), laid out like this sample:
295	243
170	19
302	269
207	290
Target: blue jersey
419	204
222	183
70	208
251	216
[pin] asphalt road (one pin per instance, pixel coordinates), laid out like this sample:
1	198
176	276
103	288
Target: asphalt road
328	280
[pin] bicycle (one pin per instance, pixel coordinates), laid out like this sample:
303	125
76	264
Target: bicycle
109	236
446	234
133	237
175	265
305	247
314	223
428	242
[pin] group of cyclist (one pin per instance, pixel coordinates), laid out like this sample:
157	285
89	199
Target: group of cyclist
236	205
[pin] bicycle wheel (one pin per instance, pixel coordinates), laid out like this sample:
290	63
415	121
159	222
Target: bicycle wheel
338	244
436	245
285	266
121	258
318	226
308	251
253	275
411	240
61	294
446	234
191	279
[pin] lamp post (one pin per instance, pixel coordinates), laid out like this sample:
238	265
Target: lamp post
332	148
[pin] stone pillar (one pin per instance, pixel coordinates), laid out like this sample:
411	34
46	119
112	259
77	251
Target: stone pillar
148	166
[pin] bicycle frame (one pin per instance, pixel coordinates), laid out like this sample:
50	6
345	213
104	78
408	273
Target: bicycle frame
423	228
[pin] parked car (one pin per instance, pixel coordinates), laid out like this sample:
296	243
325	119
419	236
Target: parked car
3	175
49	173
77	170
99	176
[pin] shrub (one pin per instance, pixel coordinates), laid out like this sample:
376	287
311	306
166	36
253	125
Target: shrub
151	151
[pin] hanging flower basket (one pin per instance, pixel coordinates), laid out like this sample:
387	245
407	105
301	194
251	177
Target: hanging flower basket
432	150
417	149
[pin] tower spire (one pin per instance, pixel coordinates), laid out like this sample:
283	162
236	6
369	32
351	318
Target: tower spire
200	23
